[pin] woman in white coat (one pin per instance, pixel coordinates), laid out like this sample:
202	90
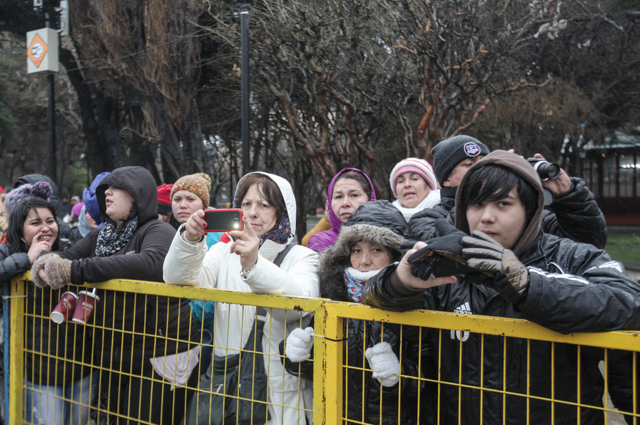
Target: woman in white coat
245	265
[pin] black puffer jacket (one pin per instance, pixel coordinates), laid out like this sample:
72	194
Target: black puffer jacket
381	223
603	299
66	341
141	258
575	215
621	380
573	287
64	231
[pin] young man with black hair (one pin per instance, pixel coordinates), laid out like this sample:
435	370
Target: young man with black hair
572	213
520	272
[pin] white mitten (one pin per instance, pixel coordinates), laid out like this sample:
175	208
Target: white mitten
299	345
384	363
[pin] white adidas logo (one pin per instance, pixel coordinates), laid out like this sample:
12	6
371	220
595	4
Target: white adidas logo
464	309
462	335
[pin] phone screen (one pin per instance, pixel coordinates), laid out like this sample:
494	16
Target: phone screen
223	220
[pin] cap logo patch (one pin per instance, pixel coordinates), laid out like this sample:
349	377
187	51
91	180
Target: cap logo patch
471	149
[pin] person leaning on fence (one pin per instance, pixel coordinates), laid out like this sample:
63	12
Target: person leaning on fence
56	391
348	189
64	231
369	241
246	265
573	212
521	272
142	342
189	194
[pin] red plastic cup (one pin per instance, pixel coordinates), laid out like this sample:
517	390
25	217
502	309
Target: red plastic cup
65	308
84	307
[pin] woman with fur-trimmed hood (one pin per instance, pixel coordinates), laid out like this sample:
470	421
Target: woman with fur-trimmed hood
368	242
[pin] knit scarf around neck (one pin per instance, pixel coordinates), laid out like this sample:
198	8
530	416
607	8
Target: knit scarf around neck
279	233
432	199
111	241
355	281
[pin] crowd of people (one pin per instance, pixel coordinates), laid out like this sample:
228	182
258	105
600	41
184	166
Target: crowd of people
522	248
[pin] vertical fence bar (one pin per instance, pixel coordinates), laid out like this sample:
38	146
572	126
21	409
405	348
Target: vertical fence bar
319	365
16	347
6	311
332	363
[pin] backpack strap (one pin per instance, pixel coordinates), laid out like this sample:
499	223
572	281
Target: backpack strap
278	260
283	254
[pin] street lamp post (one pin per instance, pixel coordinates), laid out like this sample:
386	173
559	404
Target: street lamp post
244	85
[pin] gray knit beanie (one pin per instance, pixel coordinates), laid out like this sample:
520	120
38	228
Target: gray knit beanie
450	152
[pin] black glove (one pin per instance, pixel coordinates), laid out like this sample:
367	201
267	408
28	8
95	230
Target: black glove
447	245
510	276
421	263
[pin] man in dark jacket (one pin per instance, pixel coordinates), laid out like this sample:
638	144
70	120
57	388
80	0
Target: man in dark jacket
572	213
64	231
521	273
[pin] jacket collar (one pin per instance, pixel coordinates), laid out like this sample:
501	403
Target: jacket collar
270	250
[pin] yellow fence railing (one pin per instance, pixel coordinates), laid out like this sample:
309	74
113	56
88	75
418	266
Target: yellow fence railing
436	382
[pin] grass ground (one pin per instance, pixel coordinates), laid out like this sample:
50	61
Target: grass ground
624	246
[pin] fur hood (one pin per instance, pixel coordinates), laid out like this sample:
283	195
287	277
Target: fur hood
376	222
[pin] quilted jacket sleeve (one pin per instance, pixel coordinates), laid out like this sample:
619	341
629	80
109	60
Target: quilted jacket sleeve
422	224
582	291
12	265
576	216
376	293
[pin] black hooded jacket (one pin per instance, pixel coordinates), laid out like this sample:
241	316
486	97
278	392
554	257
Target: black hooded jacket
64	231
573	287
380	223
158	318
575	216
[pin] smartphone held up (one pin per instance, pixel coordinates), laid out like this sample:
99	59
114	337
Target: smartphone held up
223	220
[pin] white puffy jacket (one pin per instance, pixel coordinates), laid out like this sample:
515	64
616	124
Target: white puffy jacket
189	263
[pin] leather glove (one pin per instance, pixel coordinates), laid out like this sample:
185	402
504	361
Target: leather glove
57	271
447	245
384	363
299	344
510	276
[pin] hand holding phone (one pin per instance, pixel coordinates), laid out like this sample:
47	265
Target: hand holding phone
246	244
223	220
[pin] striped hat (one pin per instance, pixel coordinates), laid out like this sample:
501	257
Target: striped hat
413	165
199	184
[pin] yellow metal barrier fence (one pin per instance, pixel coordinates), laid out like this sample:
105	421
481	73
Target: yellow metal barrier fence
435	383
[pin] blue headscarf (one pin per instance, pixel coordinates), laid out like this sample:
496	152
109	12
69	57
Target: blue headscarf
90	201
